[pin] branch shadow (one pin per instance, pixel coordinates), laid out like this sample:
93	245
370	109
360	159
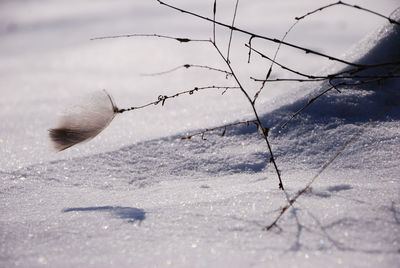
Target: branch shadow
396	213
323	231
130	214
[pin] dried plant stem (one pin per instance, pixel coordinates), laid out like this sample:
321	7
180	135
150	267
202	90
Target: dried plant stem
162	98
258	121
351	71
179	39
187	66
231	33
224	127
326	78
214	14
272	62
295	23
253	35
348	5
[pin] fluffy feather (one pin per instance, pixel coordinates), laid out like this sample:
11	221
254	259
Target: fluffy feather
84	122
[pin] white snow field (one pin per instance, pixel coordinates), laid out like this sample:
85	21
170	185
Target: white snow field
139	196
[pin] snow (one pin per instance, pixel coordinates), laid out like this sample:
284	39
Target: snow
137	195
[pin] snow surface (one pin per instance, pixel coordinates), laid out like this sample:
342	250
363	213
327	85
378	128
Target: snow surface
137	195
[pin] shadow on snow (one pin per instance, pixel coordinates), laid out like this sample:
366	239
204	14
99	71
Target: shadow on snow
129	213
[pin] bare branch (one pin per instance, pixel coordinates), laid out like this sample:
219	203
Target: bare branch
348	5
260	126
162	98
187	66
332	76
214	14
249	54
282	66
272	62
306	50
231	33
179	39
218	128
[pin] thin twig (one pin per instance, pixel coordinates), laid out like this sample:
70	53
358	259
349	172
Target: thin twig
180	39
288	80
249	54
317	10
187	66
330	76
334	86
231	33
260	126
272	62
349	5
162	98
357	83
234	28
214	14
281	65
218	128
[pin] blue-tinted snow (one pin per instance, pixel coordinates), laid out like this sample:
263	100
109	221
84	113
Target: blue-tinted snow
137	195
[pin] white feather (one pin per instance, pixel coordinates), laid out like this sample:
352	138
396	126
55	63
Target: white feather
84	121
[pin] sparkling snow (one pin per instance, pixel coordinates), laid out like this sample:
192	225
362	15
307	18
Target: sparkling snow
139	196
